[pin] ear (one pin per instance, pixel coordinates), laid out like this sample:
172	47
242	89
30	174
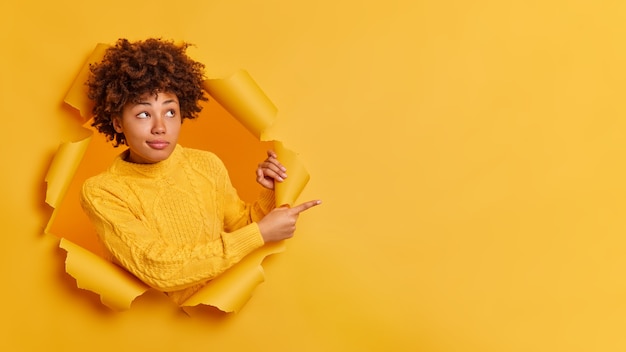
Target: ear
117	124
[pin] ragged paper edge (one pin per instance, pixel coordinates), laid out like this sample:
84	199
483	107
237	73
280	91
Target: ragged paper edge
117	288
61	171
245	101
232	289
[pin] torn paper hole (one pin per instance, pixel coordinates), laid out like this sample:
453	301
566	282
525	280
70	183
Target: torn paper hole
240	97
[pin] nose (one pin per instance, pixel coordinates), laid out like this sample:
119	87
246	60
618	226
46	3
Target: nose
158	126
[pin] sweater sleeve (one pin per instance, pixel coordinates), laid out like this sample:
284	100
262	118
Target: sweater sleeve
237	213
136	247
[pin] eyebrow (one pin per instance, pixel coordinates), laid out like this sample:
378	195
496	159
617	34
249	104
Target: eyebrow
146	102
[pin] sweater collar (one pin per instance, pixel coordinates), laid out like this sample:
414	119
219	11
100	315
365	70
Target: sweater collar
121	166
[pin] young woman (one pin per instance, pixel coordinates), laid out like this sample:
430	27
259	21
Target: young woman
166	213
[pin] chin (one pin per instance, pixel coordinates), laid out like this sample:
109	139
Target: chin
150	157
160	156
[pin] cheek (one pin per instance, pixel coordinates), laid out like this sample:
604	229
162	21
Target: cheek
175	125
136	131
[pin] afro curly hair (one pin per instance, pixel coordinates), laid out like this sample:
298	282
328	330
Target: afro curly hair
129	70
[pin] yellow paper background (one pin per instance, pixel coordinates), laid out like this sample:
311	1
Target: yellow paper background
469	155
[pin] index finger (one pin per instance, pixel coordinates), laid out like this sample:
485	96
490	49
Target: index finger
306	205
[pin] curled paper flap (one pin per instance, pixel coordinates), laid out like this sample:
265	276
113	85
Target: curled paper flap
288	191
62	169
76	97
243	98
116	287
230	291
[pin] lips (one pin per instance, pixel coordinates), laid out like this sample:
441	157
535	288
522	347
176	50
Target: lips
158	144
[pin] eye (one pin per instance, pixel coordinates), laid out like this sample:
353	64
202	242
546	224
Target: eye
143	115
170	113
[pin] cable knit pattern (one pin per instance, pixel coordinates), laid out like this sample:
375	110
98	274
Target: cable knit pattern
175	224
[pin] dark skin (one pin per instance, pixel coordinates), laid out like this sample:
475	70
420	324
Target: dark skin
280	223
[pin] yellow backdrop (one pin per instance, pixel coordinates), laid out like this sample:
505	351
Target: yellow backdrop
469	155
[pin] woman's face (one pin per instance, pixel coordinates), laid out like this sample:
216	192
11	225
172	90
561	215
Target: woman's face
151	127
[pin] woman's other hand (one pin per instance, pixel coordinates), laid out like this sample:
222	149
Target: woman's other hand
270	171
